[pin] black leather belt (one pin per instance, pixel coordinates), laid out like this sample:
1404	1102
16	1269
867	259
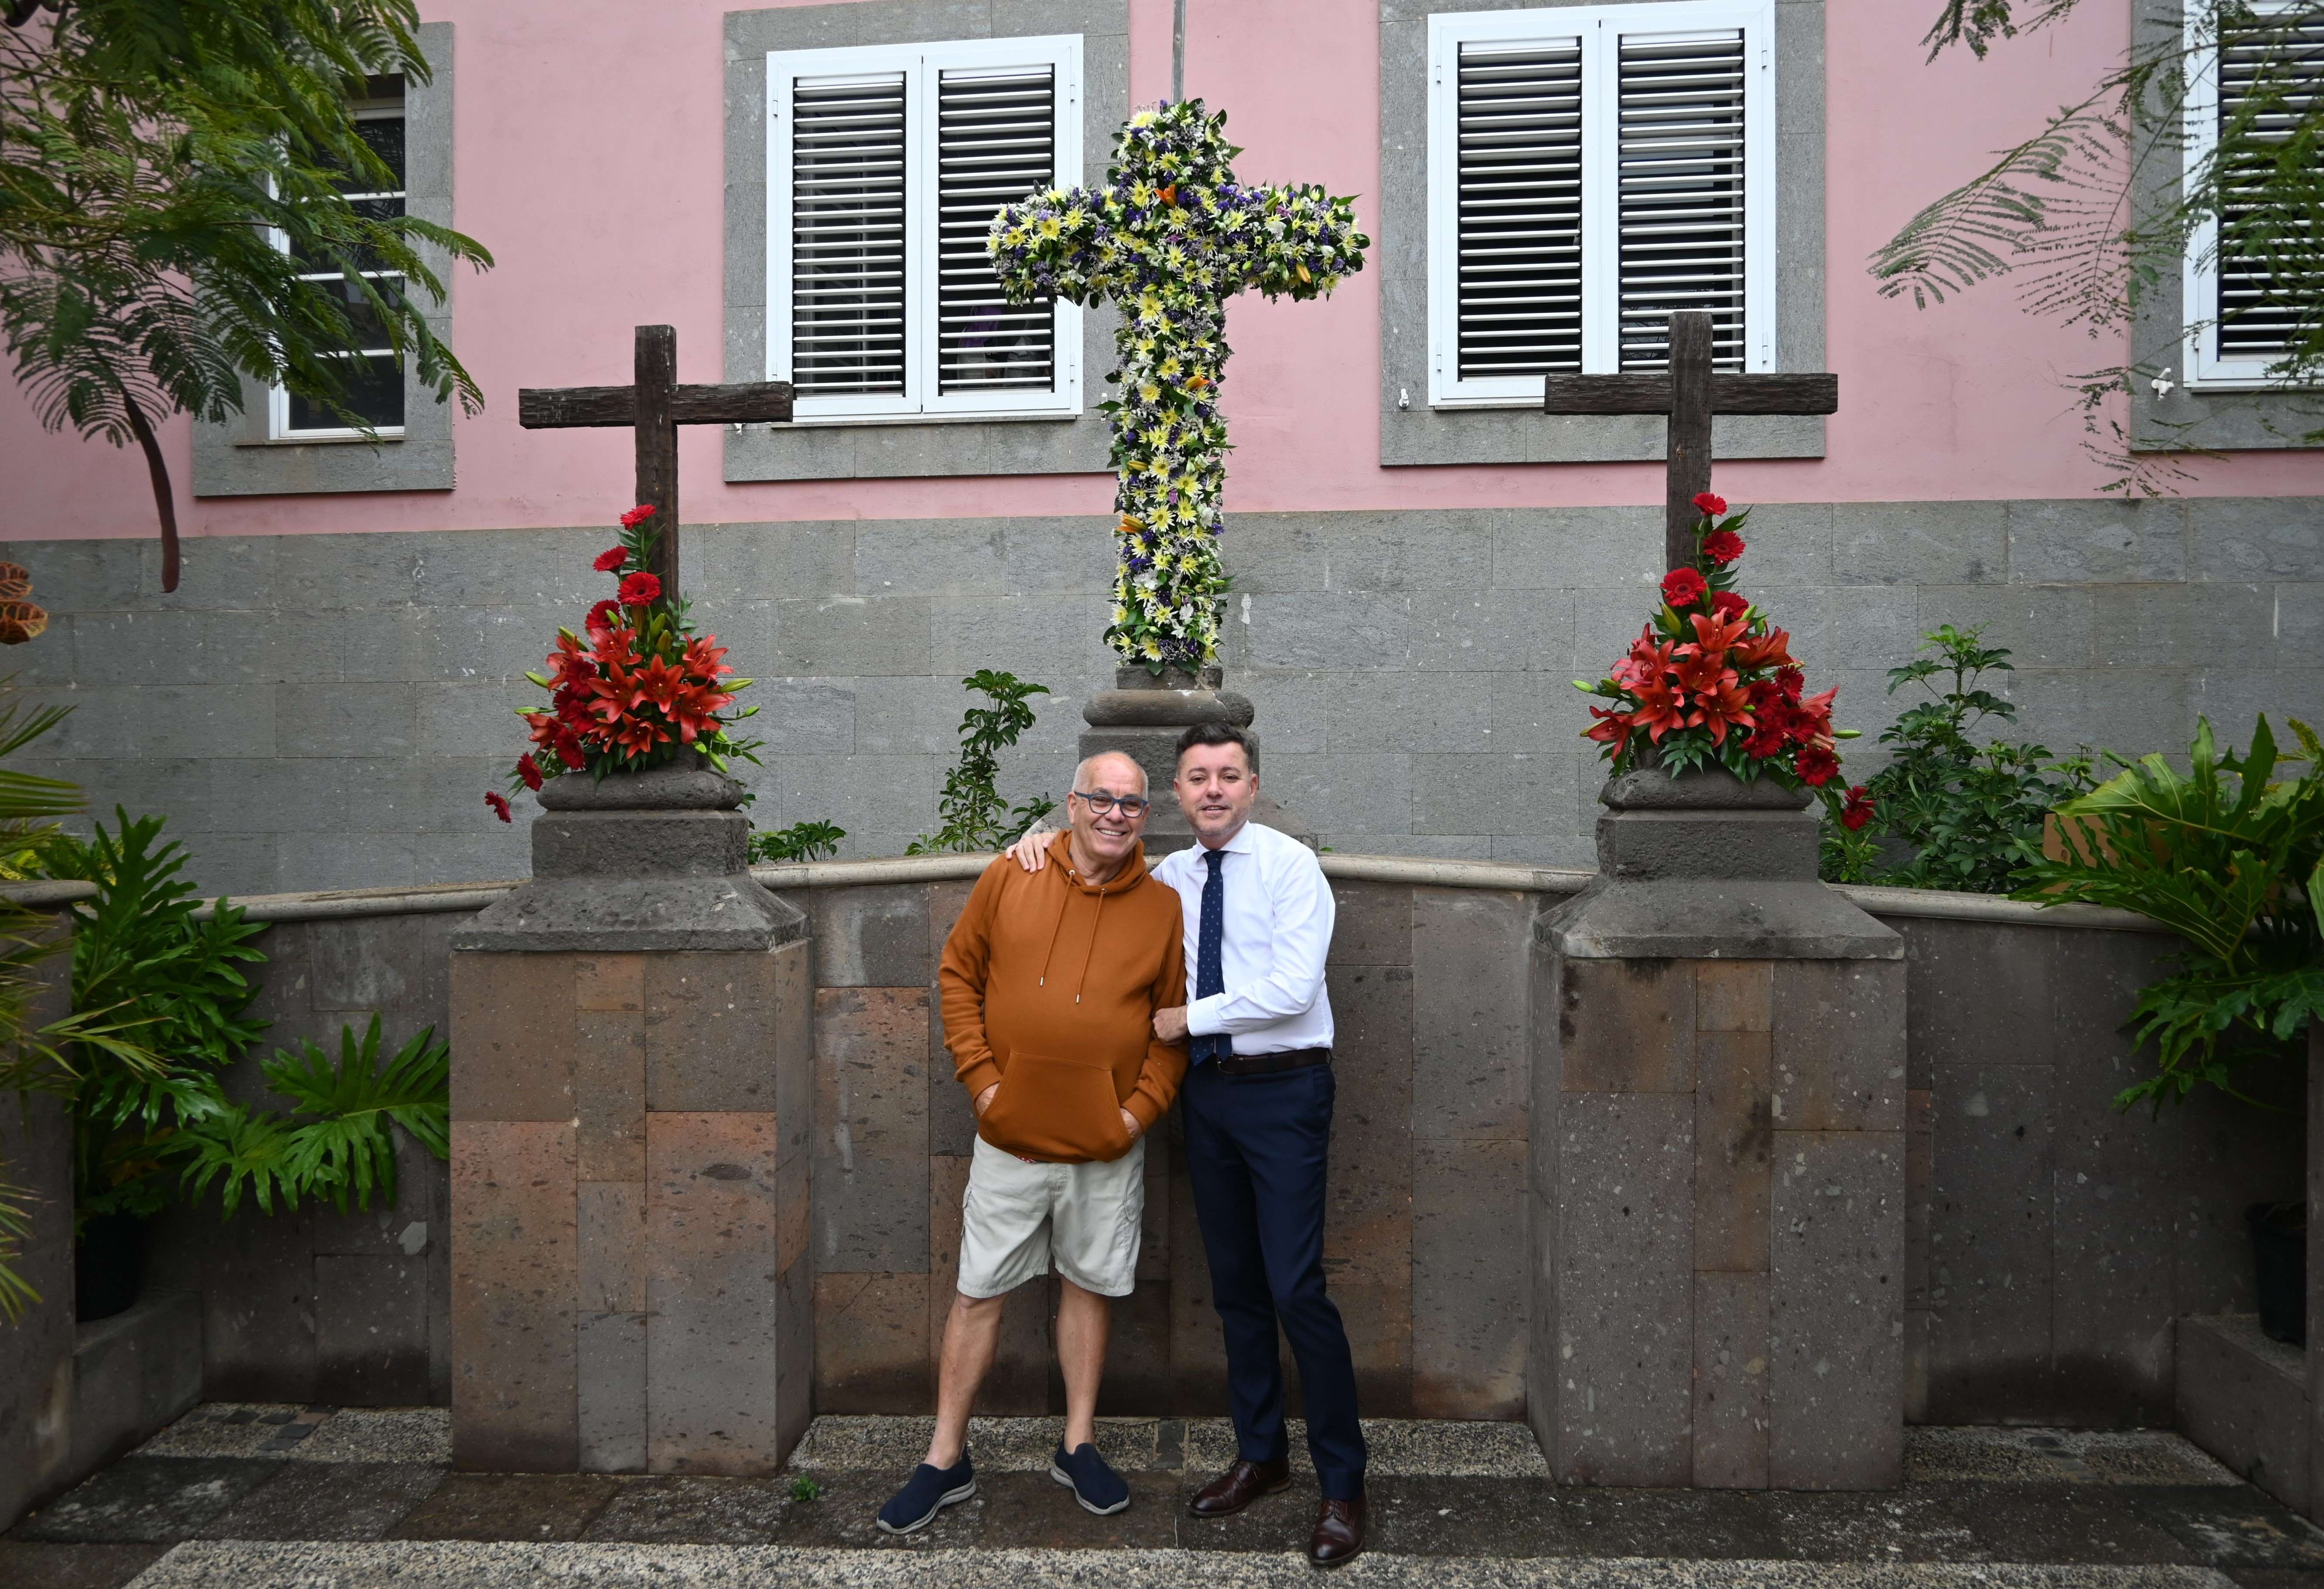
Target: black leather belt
1269	1064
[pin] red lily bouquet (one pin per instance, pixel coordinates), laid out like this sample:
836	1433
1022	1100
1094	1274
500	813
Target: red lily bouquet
1711	681
640	688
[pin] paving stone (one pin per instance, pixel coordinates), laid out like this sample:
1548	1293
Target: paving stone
2230	1528
222	1429
1033	1510
142	1499
842	1515
2078	1523
693	1509
27	1563
507	1506
1713	1524
1434	1515
1626	1026
382	1435
328	1501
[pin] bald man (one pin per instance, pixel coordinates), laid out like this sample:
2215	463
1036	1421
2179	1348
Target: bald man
1050	982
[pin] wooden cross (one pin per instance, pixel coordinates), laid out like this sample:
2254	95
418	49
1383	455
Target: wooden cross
1690	394
655	405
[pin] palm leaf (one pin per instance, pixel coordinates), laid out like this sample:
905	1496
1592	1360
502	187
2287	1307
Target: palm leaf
238	1148
348	1148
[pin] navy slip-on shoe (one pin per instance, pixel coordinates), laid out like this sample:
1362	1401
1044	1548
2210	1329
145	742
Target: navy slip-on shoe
926	1493
1093	1482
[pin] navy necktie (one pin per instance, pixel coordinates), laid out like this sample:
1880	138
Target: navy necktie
1210	957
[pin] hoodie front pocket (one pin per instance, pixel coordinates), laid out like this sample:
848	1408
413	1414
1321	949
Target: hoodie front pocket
1059	1110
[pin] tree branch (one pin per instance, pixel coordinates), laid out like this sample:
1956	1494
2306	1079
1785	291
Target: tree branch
164	500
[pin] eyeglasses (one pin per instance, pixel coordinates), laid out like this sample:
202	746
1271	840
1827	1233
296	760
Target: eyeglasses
1099	804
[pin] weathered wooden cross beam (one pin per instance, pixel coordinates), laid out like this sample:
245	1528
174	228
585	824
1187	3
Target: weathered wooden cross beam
1690	394
655	405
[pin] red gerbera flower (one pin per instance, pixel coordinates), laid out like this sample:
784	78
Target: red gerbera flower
1816	765
1682	587
611	559
1858	811
499	803
639	589
636	515
529	770
1727	604
1791	681
1716	506
1722	547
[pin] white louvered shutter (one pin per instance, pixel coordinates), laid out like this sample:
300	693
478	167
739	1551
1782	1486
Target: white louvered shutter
2254	325
1682	192
885	166
1585	181
996	142
847	242
1519	208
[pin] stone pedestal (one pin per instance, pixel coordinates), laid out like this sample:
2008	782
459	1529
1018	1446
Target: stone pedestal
631	1085
1718	1156
1144	713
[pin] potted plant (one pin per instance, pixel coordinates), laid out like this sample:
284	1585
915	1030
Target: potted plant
2231	858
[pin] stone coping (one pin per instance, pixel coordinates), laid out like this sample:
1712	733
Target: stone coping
1499	875
46	896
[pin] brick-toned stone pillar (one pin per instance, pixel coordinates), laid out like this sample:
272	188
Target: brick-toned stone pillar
1718	1145
631	1086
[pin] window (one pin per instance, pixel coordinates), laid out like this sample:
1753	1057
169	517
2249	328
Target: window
375	380
1590	169
2236	328
884	167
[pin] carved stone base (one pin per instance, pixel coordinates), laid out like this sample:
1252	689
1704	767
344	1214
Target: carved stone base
1142	717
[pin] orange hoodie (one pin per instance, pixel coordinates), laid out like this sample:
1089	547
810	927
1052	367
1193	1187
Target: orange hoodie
1049	986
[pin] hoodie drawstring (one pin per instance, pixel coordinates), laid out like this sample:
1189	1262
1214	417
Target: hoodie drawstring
1064	903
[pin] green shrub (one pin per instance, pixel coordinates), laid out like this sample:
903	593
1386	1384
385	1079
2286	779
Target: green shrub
975	818
1961	815
801	841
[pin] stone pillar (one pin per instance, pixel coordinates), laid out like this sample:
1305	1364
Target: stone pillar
1144	713
631	1085
1717	1145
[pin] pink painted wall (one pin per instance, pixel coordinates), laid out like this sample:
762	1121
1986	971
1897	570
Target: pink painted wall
603	217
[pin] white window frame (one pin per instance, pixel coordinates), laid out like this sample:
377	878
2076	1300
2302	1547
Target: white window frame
2206	369
1599	29
278	398
921	64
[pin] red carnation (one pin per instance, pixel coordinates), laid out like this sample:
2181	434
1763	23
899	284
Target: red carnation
1858	811
1716	506
1682	587
1815	765
529	770
639	589
611	559
1722	546
1727	604
639	515
499	803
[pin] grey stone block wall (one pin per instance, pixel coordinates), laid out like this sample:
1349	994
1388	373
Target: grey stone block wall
325	711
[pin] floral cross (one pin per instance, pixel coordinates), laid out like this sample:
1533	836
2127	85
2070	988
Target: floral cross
1169	238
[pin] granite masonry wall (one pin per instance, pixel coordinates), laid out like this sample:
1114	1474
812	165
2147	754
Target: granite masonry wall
2052	1241
325	711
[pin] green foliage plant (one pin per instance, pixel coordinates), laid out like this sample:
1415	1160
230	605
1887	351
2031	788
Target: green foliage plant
152	152
337	1143
2097	211
801	841
2231	859
1969	815
976	818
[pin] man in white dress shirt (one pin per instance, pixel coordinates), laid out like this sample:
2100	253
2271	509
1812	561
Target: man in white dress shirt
1257	1112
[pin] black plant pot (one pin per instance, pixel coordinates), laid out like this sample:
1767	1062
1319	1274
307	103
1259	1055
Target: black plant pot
2279	1251
108	1265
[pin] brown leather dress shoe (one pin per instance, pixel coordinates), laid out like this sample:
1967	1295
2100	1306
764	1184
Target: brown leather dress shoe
1238	1486
1339	1534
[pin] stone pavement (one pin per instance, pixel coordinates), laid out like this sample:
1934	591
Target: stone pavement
256	1497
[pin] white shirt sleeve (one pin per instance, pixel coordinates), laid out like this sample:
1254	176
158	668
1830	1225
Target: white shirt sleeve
1298	912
